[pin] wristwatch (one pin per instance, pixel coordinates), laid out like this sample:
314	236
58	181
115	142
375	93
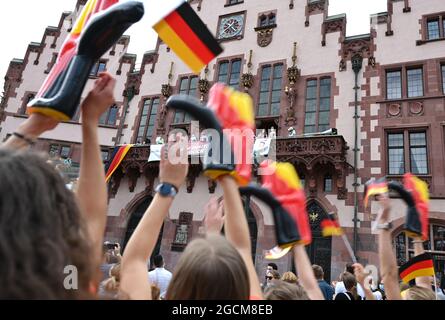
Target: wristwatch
384	226
167	190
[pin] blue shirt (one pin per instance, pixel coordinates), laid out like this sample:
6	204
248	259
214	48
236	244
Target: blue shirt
326	289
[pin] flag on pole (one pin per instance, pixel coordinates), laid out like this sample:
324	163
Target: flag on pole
330	226
419	190
375	187
117	157
185	33
419	266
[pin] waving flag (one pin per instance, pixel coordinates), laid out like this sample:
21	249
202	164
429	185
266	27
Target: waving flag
185	33
330	226
99	26
375	187
419	266
419	190
286	187
117	157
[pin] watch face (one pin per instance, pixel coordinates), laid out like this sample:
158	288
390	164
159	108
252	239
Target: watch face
231	27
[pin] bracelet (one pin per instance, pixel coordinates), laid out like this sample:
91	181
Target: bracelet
417	241
22	137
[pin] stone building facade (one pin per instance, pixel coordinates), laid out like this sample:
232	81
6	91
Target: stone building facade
302	71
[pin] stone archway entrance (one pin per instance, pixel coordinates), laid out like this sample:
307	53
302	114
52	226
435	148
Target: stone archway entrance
320	250
133	222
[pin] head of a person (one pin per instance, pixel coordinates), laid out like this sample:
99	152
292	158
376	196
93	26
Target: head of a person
318	272
349	281
41	232
418	293
210	269
349	268
271	266
289	277
281	290
158	261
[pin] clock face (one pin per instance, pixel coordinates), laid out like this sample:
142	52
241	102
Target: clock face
231	27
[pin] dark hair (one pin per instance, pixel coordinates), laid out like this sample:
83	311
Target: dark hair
158	261
350	268
348	280
210	269
41	232
318	272
273	265
281	290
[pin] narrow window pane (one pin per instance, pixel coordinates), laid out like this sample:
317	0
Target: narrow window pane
54	150
418	153
275	109
102	67
415	83
433	30
393	85
439	238
65	152
328	184
278	71
262	110
113	116
223	71
235	74
396	160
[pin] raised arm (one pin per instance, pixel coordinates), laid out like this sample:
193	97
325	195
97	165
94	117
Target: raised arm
424	282
29	131
135	282
92	189
361	278
237	230
388	263
306	274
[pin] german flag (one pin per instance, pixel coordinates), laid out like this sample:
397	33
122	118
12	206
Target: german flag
330	226
185	33
419	266
285	185
375	187
234	111
419	190
70	46
117	157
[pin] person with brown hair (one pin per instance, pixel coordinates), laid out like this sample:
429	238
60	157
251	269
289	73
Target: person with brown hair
211	268
351	288
326	289
281	290
41	220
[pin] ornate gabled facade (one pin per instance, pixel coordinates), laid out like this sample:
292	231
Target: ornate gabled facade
296	62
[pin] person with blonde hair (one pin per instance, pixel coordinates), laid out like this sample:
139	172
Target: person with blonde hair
281	290
290	277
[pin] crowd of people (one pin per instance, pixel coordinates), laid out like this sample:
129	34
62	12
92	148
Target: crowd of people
45	227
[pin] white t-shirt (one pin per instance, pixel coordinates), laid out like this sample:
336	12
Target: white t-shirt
340	288
161	277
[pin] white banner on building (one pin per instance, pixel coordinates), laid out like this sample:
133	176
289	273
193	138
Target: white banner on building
155	153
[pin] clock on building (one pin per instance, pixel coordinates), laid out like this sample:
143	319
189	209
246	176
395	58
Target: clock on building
231	26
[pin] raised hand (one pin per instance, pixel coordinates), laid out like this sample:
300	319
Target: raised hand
99	100
214	216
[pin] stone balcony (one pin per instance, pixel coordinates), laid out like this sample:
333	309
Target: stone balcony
306	153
